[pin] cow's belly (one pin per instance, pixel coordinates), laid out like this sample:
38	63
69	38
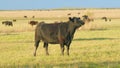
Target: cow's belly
51	40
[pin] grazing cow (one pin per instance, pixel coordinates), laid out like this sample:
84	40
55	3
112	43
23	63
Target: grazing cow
104	18
33	16
57	33
33	22
69	14
14	20
86	18
7	23
25	16
78	13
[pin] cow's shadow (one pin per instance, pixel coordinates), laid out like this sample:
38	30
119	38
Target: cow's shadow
90	39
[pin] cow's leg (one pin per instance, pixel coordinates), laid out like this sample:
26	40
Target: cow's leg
36	46
62	49
46	48
68	47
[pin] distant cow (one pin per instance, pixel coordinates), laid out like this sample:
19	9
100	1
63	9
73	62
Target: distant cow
104	18
14	20
33	22
78	13
69	14
7	23
86	18
25	16
33	16
57	33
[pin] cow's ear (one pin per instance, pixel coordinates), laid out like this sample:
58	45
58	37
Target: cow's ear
71	19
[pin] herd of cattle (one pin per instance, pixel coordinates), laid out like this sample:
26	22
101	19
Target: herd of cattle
32	23
10	23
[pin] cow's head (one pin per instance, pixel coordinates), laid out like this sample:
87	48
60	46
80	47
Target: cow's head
3	22
76	21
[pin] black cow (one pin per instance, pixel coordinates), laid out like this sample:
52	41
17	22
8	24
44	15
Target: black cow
78	13
33	22
104	18
14	20
25	16
33	16
57	33
86	18
7	23
69	14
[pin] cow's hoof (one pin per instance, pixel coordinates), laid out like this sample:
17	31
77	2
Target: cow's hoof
34	54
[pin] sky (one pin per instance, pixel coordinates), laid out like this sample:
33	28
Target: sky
56	4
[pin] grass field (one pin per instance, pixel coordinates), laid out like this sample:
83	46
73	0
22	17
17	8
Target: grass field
95	47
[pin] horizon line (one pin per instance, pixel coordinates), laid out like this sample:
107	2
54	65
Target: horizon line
56	9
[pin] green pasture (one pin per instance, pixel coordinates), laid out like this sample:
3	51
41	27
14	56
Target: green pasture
95	45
